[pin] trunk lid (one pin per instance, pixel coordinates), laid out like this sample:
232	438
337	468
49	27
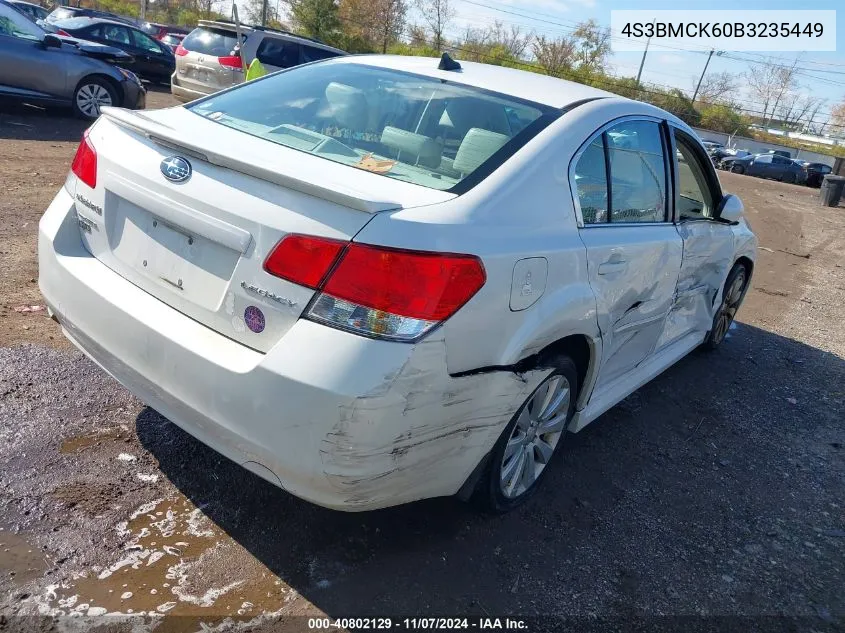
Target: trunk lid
199	245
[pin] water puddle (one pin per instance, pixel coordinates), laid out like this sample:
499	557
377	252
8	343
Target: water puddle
176	562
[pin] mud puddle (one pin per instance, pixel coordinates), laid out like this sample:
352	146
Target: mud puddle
19	559
114	434
175	562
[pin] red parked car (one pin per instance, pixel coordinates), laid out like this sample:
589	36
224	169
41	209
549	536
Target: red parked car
159	31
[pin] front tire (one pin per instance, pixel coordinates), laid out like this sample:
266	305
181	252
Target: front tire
90	95
732	296
737	169
521	455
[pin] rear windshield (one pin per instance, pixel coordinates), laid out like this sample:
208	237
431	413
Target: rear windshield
205	41
150	29
429	132
60	14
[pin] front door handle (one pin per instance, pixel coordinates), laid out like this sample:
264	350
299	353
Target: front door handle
613	266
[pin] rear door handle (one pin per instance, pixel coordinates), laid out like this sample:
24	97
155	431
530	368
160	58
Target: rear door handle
610	267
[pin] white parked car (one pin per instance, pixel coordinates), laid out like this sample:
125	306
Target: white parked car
370	280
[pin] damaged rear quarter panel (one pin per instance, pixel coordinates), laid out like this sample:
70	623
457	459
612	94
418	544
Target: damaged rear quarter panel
421	432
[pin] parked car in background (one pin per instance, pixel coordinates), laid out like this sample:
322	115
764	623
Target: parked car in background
210	60
712	145
158	31
39	67
815	172
324	276
277	50
172	40
34	12
724	152
152	59
772	166
780	152
65	13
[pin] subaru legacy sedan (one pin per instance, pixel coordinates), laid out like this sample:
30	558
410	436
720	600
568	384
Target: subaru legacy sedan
372	280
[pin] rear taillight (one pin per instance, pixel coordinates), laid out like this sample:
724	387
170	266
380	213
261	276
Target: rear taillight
84	164
181	51
376	291
62	32
230	61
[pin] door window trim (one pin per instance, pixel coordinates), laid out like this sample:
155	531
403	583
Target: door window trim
706	166
573	164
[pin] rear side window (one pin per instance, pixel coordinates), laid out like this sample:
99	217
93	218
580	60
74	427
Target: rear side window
280	53
634	188
216	42
764	159
312	54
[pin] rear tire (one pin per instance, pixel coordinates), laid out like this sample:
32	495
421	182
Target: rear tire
534	433
732	295
90	95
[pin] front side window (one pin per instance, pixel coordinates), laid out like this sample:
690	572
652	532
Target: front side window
400	125
634	188
693	199
116	34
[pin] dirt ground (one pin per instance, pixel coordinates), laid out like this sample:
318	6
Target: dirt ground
711	497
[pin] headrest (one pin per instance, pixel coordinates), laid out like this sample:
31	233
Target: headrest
425	148
478	145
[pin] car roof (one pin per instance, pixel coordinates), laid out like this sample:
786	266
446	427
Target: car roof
223	26
30	4
543	89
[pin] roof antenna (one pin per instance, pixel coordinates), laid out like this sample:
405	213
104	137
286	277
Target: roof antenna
447	63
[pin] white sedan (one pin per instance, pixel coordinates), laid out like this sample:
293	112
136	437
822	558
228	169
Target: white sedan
372	280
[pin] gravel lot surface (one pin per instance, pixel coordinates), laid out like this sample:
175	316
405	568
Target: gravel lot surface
716	490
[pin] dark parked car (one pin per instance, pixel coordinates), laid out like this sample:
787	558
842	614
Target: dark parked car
153	60
33	11
39	67
65	13
815	172
764	166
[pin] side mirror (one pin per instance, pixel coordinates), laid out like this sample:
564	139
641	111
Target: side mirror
730	209
51	41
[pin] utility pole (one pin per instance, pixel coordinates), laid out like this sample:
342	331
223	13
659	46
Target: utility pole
143	10
642	61
703	72
264	13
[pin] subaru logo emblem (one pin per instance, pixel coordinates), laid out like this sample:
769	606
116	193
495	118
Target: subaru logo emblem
176	168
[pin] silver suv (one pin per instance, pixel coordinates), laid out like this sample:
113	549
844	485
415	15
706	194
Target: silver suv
209	58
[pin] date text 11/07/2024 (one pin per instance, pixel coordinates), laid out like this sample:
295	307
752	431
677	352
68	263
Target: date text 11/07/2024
417	624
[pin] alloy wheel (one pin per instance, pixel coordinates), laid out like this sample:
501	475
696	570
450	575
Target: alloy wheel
729	307
537	432
91	97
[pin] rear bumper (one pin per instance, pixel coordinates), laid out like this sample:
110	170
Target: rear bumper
182	93
342	421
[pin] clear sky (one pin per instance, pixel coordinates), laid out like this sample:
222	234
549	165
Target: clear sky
820	74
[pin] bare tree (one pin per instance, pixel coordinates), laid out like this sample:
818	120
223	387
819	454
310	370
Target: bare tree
768	84
716	87
437	14
512	39
837	116
555	56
